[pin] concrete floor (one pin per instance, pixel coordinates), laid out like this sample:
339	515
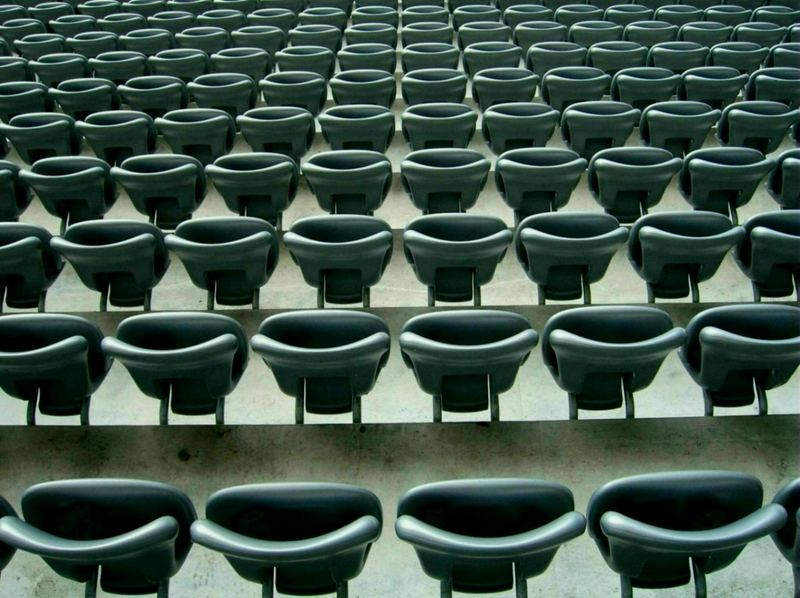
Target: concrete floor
397	448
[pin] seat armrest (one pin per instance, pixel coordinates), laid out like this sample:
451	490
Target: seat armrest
19	534
547	537
759	523
360	532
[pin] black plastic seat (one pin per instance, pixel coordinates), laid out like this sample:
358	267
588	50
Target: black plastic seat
569	14
535	180
362	127
15	197
81	97
485	55
643	86
155	95
187	361
467	358
28	266
376	14
678	14
588	127
6	551
564	86
326	36
195	7
602	355
257	185
311	59
349	181
429	55
768	253
121	22
145	8
208	39
35	45
716	86
412	15
518	125
311	538
728	14
625	14
498	85
52	69
130	535
588	33
228	19
173	21
123	260
117	135
285	130
661	530
16	29
438	125
760	125
48	11
722	179
71	25
230	258
487	535
119	66
523	12
325	15
650	33
147	41
474	13
254	62
775	84
92	43
678	56
544	56
371	33
364	86
627	181
784	16
167	188
235	93
426	32
53	362
341	256
23	97
266	37
444	180
326	359
282	18
705	33
673	252
612	57
680	127
379	57
41	135
745	57
783	55
482	31
782	183
183	63
424	86
762	33
16	68
565	253
300	89
98	8
736	353
787	538
453	255
72	188
530	33
203	133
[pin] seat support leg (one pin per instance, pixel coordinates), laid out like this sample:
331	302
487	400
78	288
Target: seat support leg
300	406
268	585
3	296
540	294
42	301
625	587
30	418
756	292
321	293
437	409
761	394
708	404
148	300
446	589
796	571
431	296
212	290
651	296
796	277
163	589
91	585
699	580
256	298
573	406
104	299
365	297
341	590
219	414
279	222
494	407
163	412
356	410
630	410
85	410
733	214
695	288
520	583
476	290
587	289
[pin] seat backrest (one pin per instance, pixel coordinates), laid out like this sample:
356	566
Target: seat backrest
295	511
485	508
30	266
787	538
93	509
6	552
